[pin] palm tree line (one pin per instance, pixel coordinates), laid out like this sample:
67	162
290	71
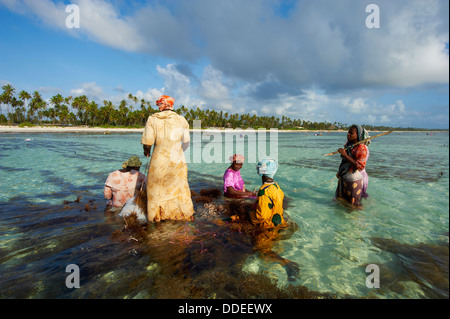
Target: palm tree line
58	110
32	109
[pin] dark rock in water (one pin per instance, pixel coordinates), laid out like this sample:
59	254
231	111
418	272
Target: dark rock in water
211	192
425	264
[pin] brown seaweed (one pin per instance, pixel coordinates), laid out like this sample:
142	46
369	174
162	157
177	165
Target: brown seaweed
204	258
426	264
202	199
211	192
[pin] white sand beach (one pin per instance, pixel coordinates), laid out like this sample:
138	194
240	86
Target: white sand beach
66	129
85	129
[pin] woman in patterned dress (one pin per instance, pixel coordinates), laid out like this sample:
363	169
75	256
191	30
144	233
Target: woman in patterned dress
353	179
168	193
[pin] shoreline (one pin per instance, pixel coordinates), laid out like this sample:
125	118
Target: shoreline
83	129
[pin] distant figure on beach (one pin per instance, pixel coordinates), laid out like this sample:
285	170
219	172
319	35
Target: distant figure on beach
233	184
168	193
121	185
353	179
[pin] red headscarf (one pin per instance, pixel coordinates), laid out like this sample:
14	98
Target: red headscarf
165	102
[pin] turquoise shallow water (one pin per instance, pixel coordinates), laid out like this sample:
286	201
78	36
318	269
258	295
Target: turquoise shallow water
402	228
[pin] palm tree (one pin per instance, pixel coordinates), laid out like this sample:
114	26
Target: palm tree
72	118
81	104
7	96
16	114
33	106
26	107
133	99
123	112
64	114
42	110
92	111
56	101
24	96
50	113
105	111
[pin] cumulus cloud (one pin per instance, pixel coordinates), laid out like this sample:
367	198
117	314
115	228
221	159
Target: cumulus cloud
412	47
100	21
325	43
212	86
215	89
91	90
316	58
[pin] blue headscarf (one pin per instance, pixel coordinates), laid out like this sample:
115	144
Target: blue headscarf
267	167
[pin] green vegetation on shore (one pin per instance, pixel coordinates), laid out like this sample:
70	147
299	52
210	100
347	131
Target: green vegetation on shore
27	109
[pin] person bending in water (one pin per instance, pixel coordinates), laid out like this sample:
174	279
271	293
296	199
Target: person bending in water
121	185
233	184
266	215
267	212
353	179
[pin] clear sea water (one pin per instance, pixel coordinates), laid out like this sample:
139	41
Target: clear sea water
402	228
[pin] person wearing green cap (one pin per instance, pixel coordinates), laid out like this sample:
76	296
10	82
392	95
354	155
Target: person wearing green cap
121	185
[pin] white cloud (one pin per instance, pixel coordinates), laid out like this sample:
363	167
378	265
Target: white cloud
313	64
176	85
211	92
151	95
322	43
91	90
215	90
101	22
356	106
212	86
51	13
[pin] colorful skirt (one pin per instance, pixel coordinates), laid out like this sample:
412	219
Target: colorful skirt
352	189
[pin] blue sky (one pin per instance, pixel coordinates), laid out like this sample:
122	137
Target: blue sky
309	60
